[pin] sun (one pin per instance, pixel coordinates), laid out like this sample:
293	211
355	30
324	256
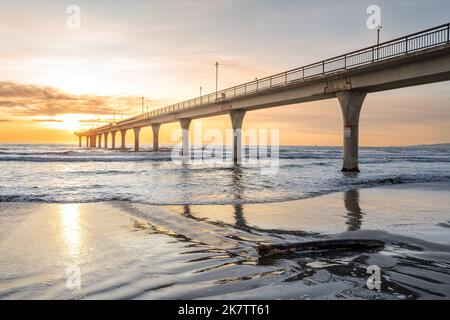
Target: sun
70	122
67	122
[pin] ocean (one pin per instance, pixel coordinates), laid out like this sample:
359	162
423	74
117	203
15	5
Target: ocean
66	173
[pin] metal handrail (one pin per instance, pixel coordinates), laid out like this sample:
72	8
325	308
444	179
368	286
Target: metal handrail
404	45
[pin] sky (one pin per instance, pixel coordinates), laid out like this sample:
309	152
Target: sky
55	79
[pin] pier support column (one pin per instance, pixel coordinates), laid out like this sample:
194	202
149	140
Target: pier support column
79	141
106	140
113	140
136	138
99	141
237	117
94	141
155	128
351	103
87	141
123	134
185	123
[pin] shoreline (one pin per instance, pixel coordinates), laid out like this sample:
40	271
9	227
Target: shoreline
135	251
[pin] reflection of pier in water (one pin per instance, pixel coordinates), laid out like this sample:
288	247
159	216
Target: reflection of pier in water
351	204
354	213
238	194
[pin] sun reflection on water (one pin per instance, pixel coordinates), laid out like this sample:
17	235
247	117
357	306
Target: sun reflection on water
71	229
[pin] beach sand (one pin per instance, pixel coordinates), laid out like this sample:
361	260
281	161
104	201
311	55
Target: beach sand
120	250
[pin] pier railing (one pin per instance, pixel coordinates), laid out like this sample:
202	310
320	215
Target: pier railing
405	45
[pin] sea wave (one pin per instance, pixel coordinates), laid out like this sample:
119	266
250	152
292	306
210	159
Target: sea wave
70	156
103	194
66	174
75	156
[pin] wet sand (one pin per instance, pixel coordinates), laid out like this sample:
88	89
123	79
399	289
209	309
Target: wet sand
135	251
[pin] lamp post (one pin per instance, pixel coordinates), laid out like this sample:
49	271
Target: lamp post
378	34
378	41
142	105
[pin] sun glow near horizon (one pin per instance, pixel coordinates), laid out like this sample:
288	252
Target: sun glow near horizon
67	122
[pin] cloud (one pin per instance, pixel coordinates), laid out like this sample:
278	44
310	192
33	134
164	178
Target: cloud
47	120
17	99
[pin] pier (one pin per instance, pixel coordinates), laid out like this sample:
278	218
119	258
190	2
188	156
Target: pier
416	59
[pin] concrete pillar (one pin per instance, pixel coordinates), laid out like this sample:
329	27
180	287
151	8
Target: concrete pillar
185	123
87	141
79	141
123	134
351	103
113	140
99	141
237	117
94	141
106	140
136	138
155	128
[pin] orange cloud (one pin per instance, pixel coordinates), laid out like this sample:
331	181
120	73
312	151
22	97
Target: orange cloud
20	100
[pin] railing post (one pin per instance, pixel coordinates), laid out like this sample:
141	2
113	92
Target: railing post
303	69
345	62
285	77
406	44
448	33
323	67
